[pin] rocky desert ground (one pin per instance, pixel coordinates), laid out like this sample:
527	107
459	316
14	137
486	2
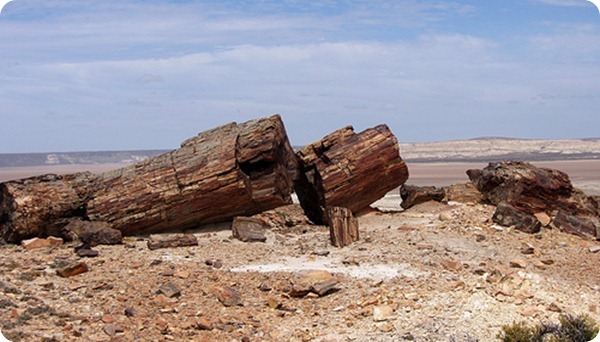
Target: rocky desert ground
434	272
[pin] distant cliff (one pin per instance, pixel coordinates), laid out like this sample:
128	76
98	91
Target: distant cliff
498	149
66	158
478	150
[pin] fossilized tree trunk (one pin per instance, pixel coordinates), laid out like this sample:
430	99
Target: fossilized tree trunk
236	169
41	205
232	170
349	170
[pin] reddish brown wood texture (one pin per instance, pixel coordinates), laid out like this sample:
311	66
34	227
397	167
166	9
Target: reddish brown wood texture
39	206
232	170
349	170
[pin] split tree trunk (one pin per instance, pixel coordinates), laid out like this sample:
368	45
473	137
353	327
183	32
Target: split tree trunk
232	170
40	206
349	170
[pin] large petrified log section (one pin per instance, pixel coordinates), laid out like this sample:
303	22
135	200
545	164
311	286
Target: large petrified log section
40	206
531	190
232	170
349	170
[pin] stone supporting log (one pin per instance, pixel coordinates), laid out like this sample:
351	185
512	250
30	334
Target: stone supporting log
349	170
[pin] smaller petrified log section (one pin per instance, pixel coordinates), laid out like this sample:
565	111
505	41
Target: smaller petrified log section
413	195
343	226
236	169
349	170
172	240
38	206
533	190
248	229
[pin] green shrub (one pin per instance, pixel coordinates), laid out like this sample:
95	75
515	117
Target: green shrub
580	328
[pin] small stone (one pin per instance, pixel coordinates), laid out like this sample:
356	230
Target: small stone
544	218
72	269
594	249
184	274
249	229
273	303
382	313
228	296
517	263
527	249
451	265
386	328
129	312
264	287
41	243
480	238
554	308
86	252
170	290
107	318
547	262
203	323
110	330
445	216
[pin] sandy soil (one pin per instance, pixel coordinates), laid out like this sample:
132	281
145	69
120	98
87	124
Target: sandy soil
437	272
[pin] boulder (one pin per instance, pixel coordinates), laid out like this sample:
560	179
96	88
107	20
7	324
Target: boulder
530	190
507	215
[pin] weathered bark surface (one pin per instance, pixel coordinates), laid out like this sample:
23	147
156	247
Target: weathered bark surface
413	195
236	169
463	193
38	206
535	190
343	226
349	170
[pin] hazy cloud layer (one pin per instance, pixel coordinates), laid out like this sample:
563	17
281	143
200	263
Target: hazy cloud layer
95	75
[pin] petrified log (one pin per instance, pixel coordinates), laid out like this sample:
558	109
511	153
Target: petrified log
248	229
235	169
349	170
343	226
39	206
413	195
507	215
535	190
171	240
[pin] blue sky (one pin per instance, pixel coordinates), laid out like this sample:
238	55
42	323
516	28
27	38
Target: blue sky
79	75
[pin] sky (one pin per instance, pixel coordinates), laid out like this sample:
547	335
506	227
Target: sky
95	75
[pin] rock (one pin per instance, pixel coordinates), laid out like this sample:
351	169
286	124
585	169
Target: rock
93	233
544	218
72	269
594	249
228	296
517	263
41	243
85	252
413	195
171	241
110	330
445	216
451	265
203	323
382	313
170	290
507	215
130	312
527	249
319	282
572	224
463	193
535	190
249	229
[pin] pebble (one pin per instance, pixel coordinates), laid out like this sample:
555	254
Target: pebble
382	313
594	249
72	269
170	290
517	263
228	296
